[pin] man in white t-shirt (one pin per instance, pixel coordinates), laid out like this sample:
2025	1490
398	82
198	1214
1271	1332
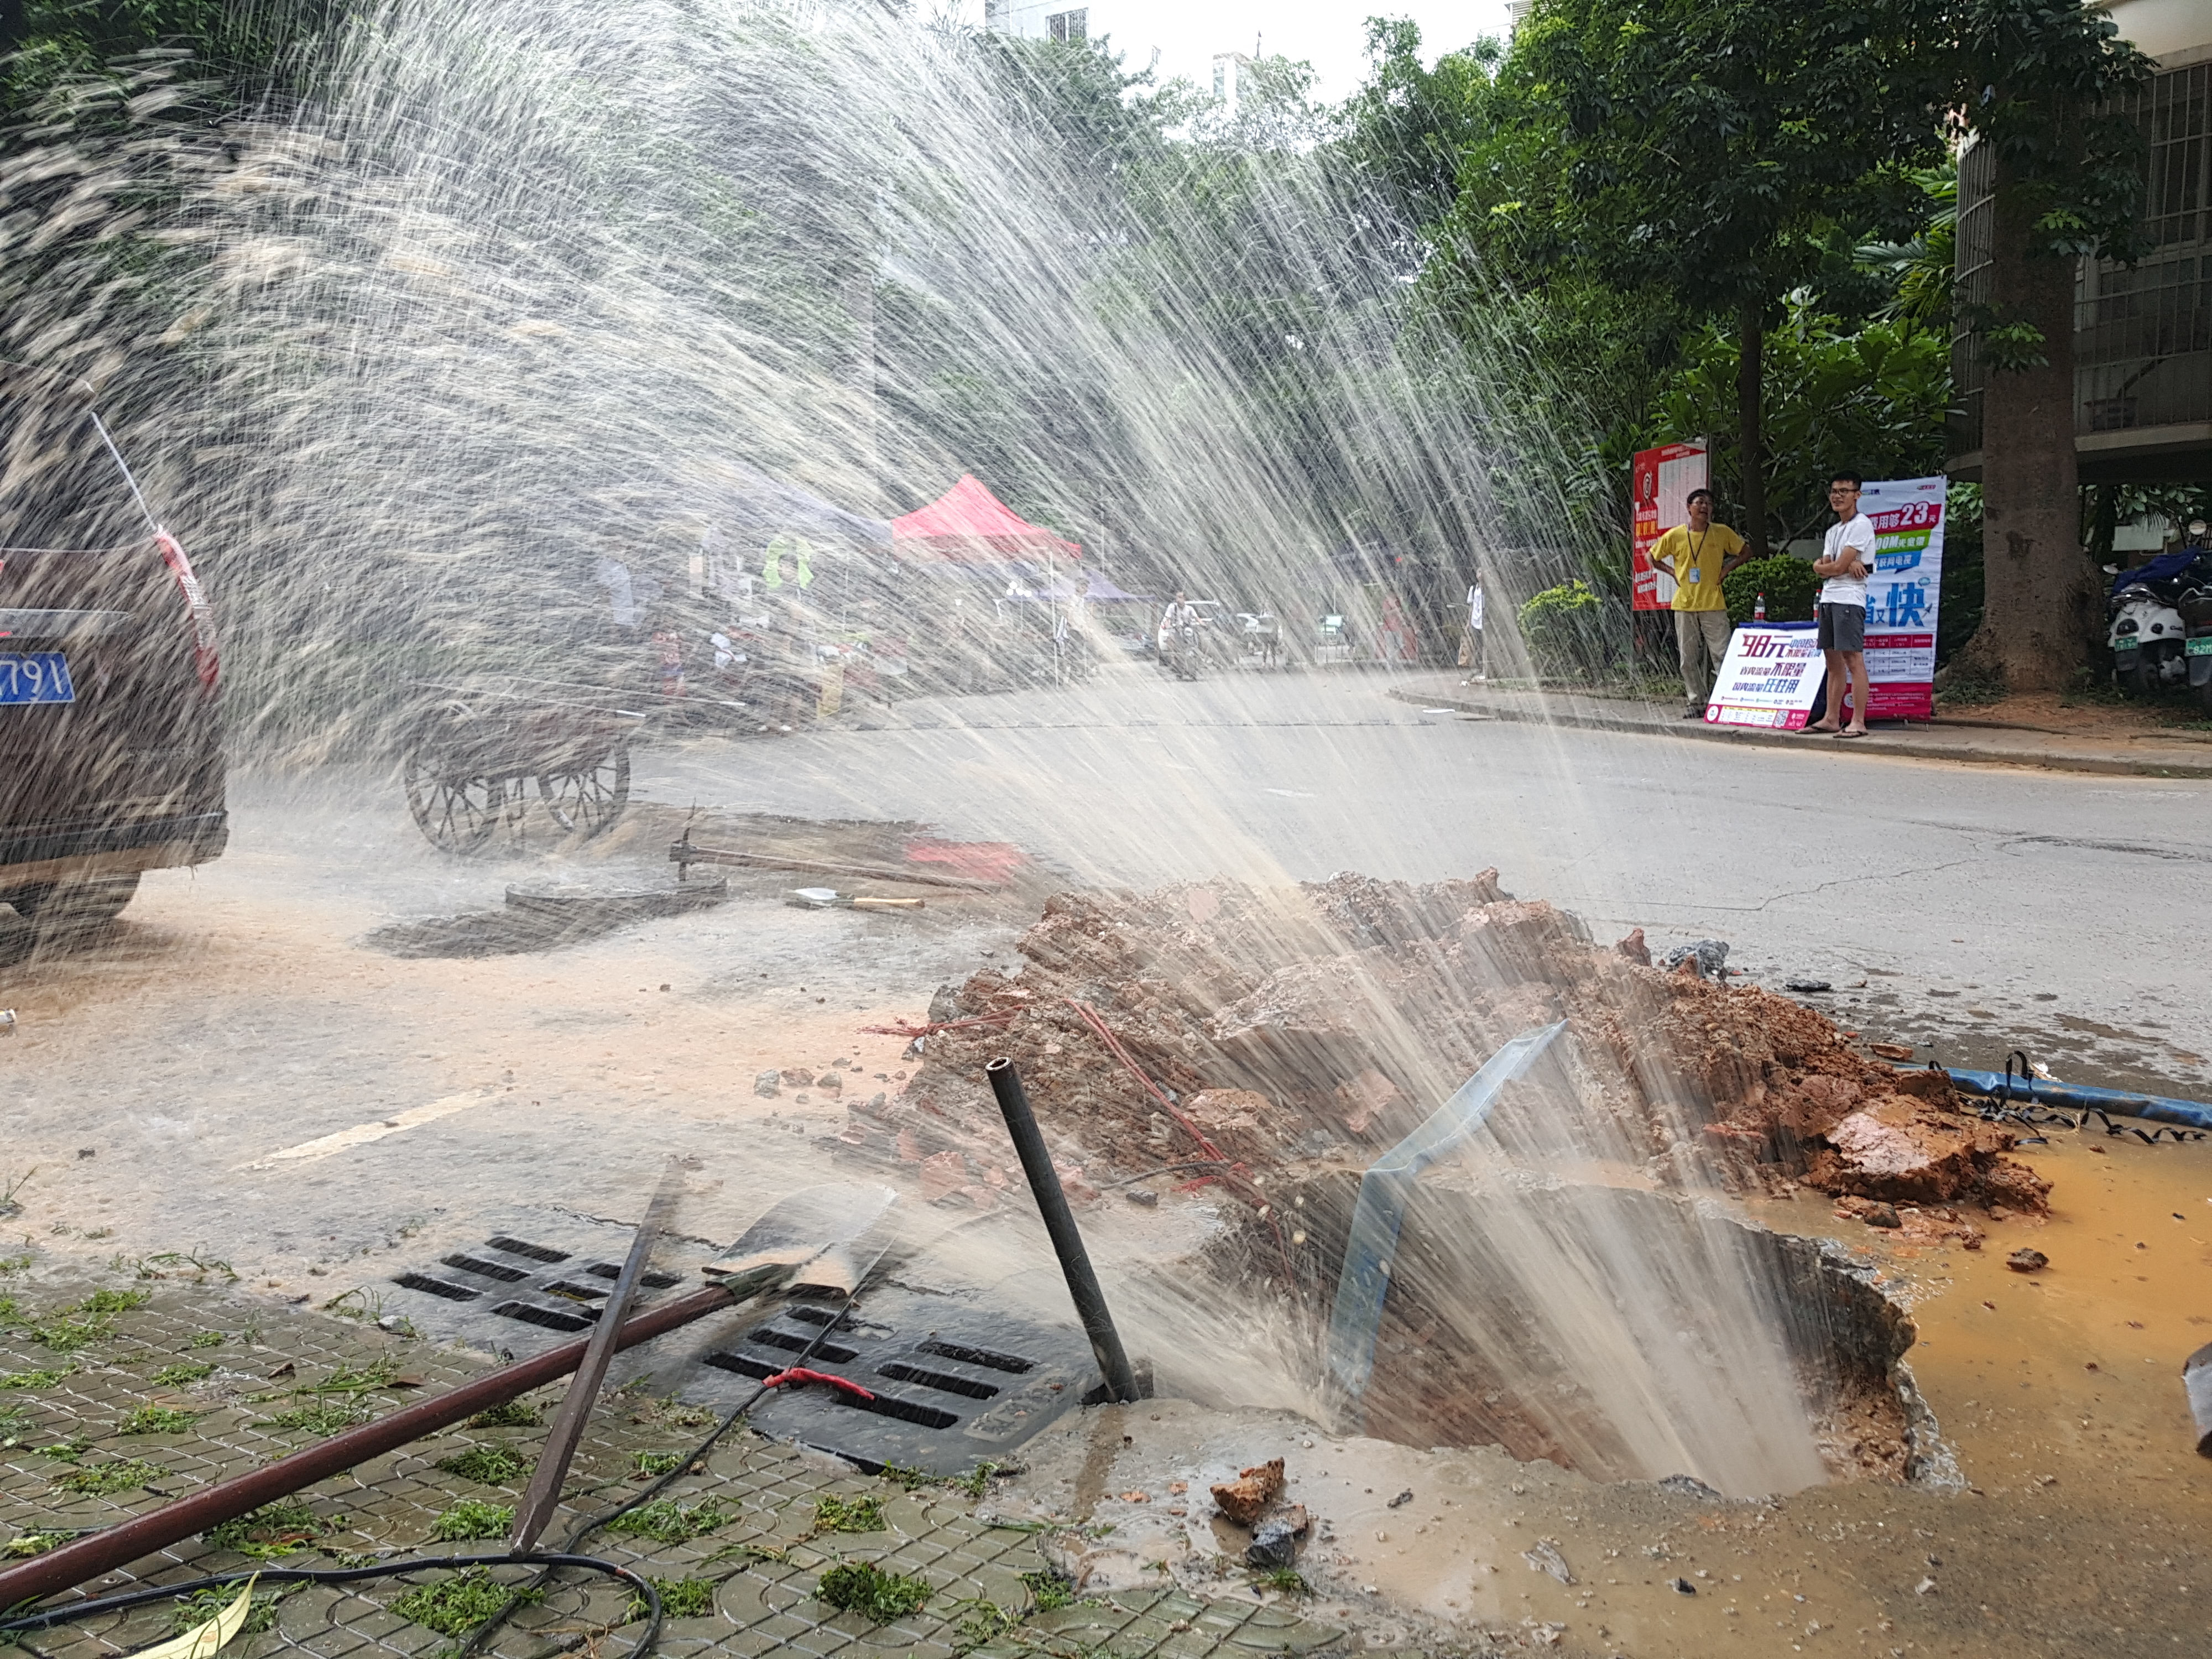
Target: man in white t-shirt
1471	654
1846	556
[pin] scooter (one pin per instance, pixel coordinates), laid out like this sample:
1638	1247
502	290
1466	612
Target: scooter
2149	631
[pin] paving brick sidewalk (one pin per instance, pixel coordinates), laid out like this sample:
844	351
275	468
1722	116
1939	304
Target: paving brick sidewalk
116	1402
2162	756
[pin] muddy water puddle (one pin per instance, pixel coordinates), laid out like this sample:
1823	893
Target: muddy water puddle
2080	1520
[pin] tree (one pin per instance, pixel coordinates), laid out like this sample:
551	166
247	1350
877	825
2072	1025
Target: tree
1692	152
2035	80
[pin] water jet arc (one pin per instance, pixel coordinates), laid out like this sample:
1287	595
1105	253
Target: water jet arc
1356	1314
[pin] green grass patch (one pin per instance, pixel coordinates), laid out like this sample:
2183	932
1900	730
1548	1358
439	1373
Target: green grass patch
208	1339
983	1621
864	1587
666	1522
680	1598
184	1371
353	1381
1049	1591
976	1481
512	1414
30	1379
456	1606
323	1417
473	1519
66	1335
106	1479
25	1544
273	1530
849	1515
70	1450
113	1302
660	1463
493	1466
156	1419
1289	1580
201	1606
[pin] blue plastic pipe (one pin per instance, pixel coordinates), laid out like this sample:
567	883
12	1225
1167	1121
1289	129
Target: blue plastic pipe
1384	1190
2081	1097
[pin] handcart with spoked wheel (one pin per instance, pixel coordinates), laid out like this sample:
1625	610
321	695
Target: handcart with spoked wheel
502	749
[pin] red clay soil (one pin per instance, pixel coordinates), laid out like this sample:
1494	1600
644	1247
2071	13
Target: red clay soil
1285	1023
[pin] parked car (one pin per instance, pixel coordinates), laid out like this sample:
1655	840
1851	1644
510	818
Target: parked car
111	754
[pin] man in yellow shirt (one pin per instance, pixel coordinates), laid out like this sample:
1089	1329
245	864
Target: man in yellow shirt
1696	554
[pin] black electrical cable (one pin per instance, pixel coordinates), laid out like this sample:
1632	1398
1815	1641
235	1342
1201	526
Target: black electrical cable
548	1558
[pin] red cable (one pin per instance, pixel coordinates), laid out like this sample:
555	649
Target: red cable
800	1374
1091	1018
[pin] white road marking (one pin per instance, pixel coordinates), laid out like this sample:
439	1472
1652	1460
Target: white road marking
361	1134
1295	794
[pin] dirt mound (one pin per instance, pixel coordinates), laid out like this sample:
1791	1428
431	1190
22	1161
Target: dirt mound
1221	1031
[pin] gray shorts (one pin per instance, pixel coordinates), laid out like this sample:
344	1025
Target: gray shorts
1843	627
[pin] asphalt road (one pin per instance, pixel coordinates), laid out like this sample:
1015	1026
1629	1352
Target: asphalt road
178	1082
2066	908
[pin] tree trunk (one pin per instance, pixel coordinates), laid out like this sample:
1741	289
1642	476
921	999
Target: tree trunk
1751	440
2041	618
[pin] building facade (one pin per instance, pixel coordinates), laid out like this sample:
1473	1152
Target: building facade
1037	20
2142	336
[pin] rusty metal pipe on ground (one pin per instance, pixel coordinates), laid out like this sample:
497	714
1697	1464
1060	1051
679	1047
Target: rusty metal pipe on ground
142	1535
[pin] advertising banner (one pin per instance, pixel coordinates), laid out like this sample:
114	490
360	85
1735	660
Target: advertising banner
1901	595
1768	678
1660	481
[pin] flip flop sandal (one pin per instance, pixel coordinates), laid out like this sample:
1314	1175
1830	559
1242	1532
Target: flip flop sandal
1847	732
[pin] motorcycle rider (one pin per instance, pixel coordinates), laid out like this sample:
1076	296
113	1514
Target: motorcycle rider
1179	625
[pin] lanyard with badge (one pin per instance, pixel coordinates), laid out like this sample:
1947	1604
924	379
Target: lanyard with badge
1697	570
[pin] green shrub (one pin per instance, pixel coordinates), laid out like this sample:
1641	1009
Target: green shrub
865	1588
1789	583
1563	629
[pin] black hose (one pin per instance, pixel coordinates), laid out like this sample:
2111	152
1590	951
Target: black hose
549	1561
75	1610
483	1632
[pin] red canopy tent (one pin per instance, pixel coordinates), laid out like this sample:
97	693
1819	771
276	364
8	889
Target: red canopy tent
968	525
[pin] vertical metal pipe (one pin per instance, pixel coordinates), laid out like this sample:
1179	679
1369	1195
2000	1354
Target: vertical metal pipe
1059	1226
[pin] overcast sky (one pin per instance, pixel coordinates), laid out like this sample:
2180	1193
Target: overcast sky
1331	34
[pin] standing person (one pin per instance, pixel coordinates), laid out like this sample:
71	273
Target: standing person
1474	662
1846	555
1697	554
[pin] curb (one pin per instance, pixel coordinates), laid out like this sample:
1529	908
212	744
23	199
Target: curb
1907	748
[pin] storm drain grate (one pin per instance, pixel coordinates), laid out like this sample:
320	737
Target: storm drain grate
532	1285
949	1384
952	1379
